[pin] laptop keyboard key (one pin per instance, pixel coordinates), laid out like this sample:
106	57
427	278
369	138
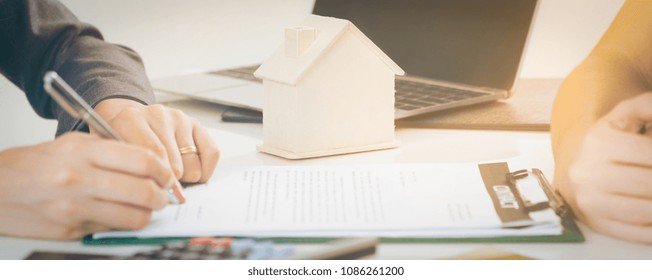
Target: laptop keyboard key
436	100
416	103
406	107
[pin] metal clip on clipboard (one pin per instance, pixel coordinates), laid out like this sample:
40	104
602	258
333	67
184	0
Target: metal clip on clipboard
555	200
516	195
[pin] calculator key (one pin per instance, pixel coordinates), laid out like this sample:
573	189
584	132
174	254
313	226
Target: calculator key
258	256
241	254
263	250
175	245
211	257
210	241
283	252
189	256
241	244
219	251
197	248
168	255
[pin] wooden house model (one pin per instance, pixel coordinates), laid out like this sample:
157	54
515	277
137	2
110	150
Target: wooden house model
328	90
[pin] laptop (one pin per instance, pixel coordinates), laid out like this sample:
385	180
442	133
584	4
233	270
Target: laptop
454	52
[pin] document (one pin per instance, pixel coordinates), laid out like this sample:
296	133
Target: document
398	200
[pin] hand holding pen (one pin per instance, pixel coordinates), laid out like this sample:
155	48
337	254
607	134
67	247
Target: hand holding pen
81	183
74	105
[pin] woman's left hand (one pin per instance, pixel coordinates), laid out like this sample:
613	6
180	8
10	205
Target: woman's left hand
174	136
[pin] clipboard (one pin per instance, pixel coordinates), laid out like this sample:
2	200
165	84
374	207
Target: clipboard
493	174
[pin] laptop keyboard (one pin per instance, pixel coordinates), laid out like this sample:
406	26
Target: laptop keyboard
410	95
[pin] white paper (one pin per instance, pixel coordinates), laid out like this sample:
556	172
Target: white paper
424	200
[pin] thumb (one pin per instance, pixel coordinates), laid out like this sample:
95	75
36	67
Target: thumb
632	115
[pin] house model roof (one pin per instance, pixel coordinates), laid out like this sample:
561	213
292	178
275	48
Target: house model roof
290	70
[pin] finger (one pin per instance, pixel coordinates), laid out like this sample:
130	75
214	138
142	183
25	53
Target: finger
140	133
133	160
634	233
165	128
116	215
625	180
192	170
632	114
43	224
79	231
629	148
127	189
90	227
627	209
64	232
208	151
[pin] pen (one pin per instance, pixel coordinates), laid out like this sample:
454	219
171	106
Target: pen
74	105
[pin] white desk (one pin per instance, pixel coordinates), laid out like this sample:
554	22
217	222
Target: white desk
237	143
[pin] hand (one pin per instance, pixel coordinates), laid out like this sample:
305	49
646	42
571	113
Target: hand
611	177
164	131
79	184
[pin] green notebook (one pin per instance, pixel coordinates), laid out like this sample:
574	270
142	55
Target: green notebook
571	234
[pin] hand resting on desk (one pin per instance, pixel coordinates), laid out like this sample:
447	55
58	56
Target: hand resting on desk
78	184
611	176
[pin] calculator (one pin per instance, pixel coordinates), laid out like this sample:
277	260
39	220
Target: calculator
210	248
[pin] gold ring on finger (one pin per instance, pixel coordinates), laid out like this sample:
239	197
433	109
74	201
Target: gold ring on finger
188	150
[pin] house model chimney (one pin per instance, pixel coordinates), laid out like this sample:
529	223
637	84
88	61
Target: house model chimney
298	39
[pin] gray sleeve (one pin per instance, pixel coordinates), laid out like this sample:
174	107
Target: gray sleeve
41	35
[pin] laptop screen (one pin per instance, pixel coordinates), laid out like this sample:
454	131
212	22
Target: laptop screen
472	42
